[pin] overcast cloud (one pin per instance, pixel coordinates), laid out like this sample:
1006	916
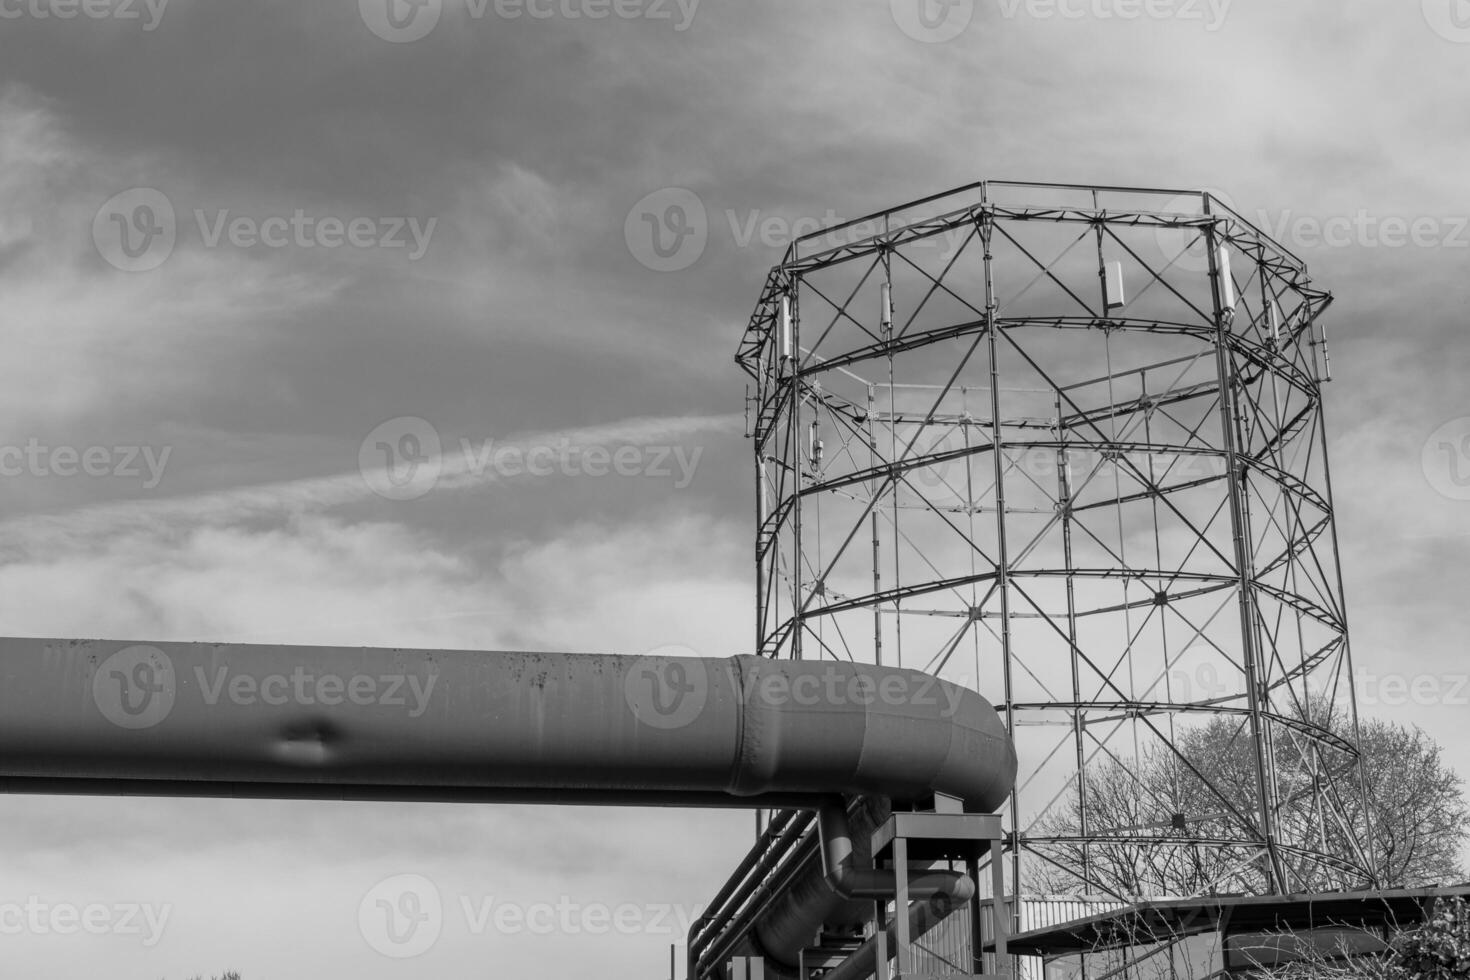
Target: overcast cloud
426	237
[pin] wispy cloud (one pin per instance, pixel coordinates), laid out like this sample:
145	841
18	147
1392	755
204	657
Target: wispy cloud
85	526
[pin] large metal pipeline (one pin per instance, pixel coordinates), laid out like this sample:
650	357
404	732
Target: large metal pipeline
109	717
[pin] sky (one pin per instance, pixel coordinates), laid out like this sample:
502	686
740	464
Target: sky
250	251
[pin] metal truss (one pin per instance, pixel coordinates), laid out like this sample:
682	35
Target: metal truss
1065	444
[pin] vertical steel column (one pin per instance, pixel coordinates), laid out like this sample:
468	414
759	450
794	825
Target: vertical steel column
1002	571
880	937
762	511
1000	920
977	924
873	491
1240	532
793	470
901	908
1347	653
1064	502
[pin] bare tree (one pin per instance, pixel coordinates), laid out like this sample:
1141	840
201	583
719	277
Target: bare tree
1419	820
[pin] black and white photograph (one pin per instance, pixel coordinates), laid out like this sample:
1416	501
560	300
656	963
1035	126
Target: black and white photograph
734	489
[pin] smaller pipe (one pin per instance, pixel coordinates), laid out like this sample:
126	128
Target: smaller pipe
923	916
852	882
761	854
779	933
731	905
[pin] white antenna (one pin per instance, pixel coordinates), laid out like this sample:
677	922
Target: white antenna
1113	285
787	335
1227	282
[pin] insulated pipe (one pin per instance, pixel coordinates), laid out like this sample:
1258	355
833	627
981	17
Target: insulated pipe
194	719
849	881
820	896
923	916
800	902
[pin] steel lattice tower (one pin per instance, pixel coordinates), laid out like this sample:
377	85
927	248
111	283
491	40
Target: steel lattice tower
1066	444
